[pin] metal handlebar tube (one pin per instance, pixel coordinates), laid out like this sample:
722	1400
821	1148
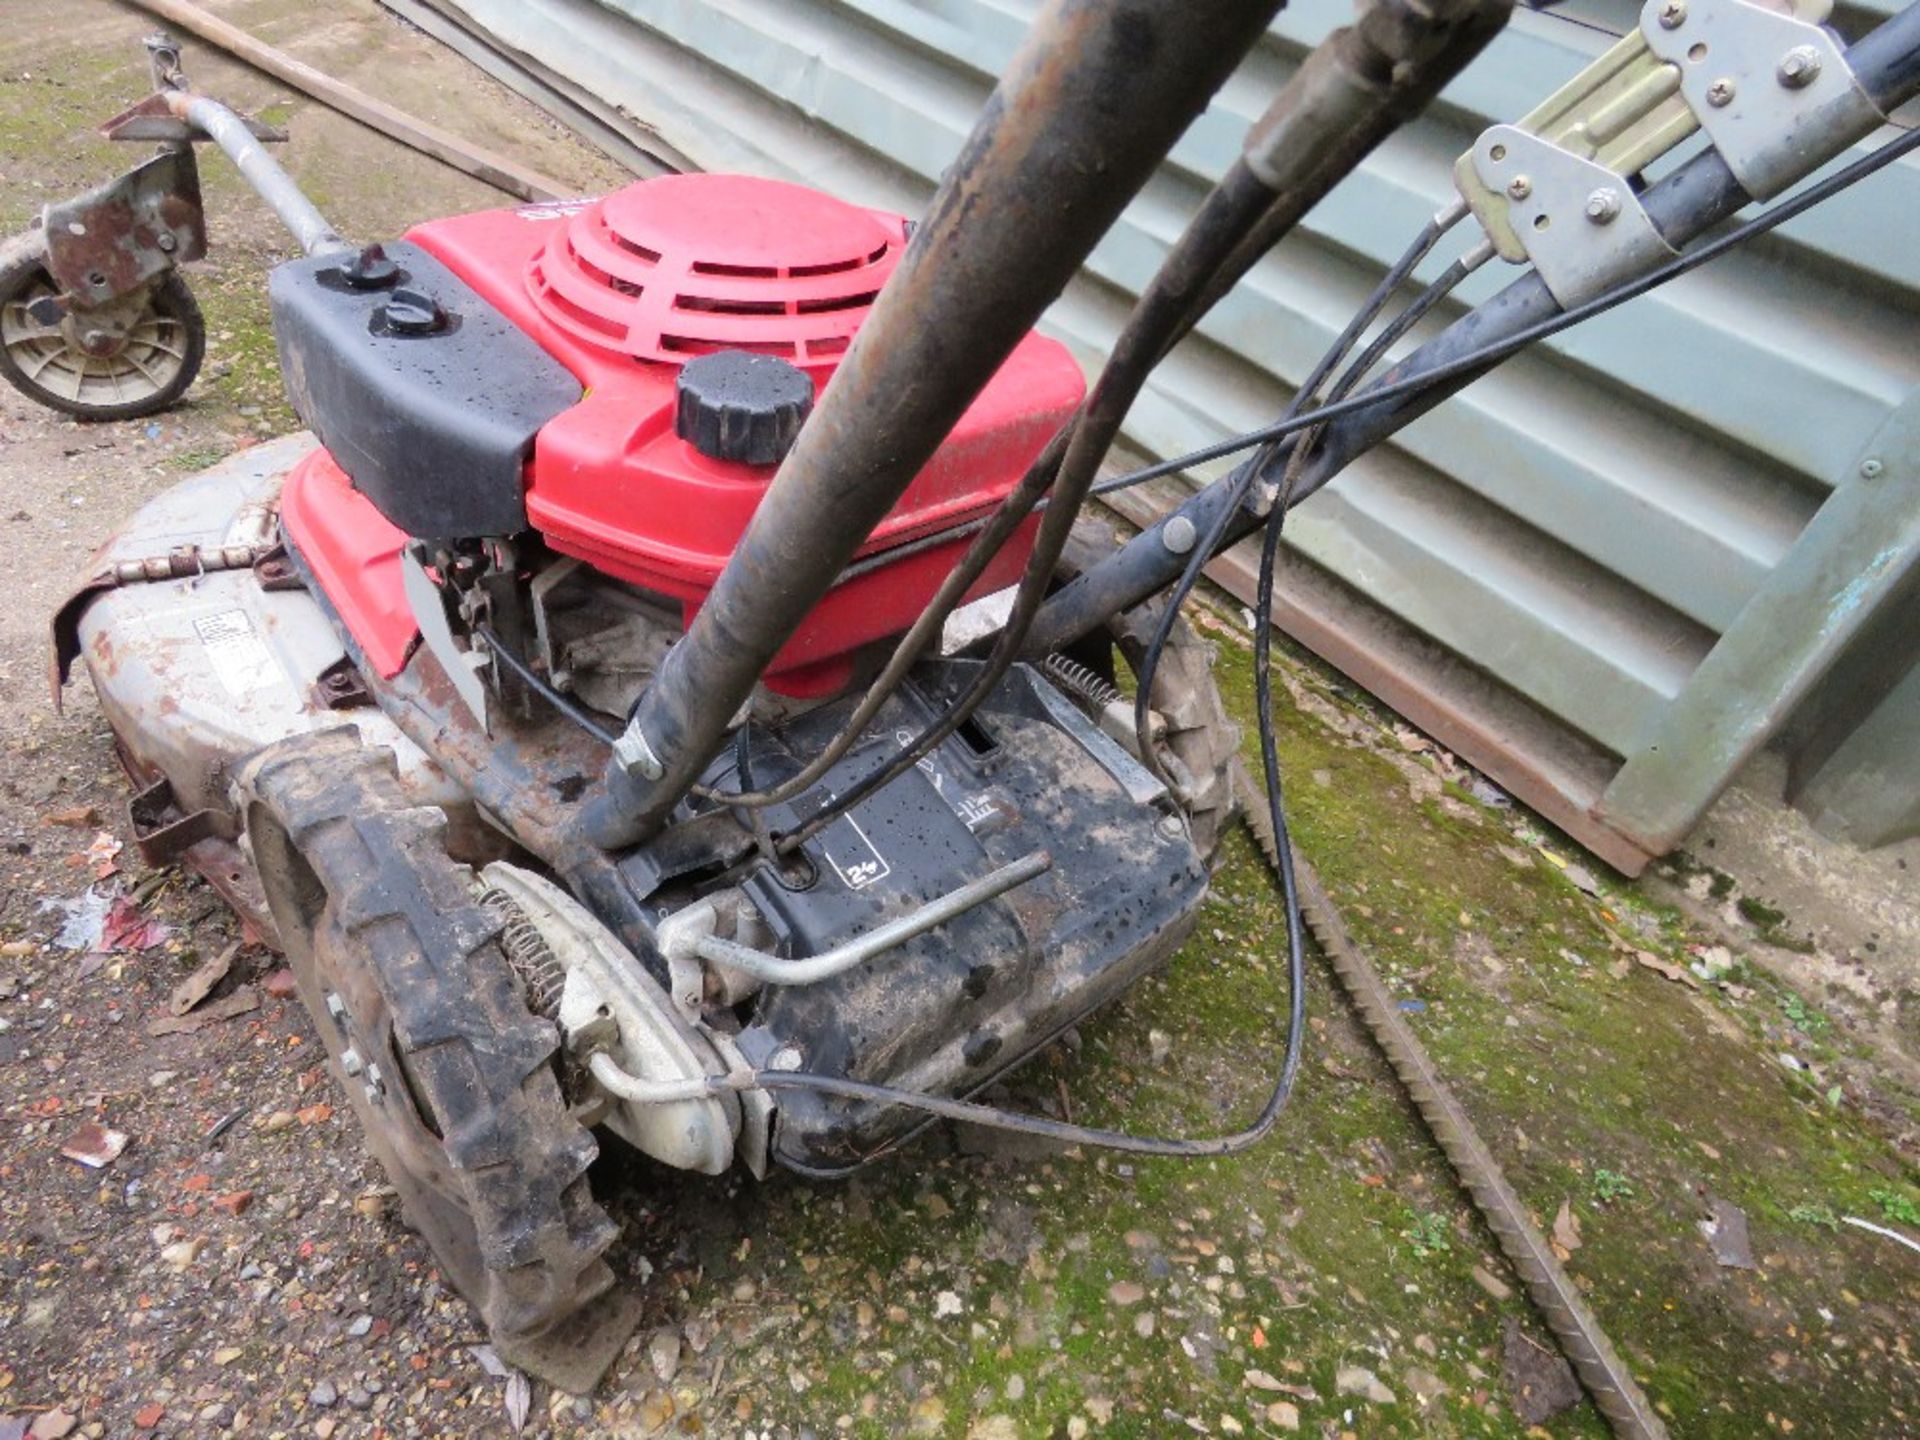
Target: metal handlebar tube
1352	91
260	170
1684	205
1087	109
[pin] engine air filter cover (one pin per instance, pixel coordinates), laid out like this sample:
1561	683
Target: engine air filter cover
691	264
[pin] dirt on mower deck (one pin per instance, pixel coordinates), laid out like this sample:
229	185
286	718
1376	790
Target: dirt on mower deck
1691	1133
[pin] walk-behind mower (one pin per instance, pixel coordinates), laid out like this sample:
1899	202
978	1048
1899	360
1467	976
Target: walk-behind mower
576	712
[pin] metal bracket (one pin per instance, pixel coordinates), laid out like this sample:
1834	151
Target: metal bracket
116	237
430	614
153	119
1773	92
1579	222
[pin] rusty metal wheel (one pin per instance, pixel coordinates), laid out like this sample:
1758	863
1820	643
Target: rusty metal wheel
1198	743
427	1029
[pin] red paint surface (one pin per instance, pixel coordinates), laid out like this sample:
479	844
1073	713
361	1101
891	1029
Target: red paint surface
621	291
354	553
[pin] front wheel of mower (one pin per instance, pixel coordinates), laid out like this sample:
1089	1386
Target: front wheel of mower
425	1022
144	370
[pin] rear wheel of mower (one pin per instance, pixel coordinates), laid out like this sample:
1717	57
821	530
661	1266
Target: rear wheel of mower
426	1026
1198	745
145	369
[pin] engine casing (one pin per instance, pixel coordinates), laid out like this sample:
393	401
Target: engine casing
617	295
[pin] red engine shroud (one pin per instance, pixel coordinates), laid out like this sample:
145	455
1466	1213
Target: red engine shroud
622	291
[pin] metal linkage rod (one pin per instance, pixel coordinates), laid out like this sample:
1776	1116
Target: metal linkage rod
682	936
262	171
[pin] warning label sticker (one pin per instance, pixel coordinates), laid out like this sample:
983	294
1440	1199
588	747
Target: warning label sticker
236	652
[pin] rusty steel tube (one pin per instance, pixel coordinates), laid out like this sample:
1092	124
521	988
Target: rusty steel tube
1088	107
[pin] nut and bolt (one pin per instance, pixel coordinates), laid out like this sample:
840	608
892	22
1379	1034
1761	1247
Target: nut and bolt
337	1008
1720	93
350	1061
1178	535
1603	206
1519	187
167	243
1799	67
1672	14
1871	469
376	1087
1172	827
636	755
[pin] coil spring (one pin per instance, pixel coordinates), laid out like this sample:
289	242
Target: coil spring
1082	680
528	953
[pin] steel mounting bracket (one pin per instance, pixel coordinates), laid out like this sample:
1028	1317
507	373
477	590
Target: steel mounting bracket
1773	92
1579	222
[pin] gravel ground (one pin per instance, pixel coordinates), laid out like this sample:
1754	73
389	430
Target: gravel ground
237	1269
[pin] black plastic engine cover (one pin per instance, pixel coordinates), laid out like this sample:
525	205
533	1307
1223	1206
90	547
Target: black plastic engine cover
426	396
947	1012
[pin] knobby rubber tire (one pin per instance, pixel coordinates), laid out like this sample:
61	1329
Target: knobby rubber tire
472	1128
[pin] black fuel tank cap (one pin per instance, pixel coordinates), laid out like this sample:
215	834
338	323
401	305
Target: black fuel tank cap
736	405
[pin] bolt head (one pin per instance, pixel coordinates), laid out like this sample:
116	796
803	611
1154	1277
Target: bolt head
1720	93
1172	827
336	1007
1519	187
1799	67
1871	469
1673	14
636	756
167	243
350	1061
1178	535
1603	205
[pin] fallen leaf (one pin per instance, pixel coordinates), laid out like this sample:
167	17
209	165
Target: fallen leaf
237	1002
1727	1233
78	817
1582	879
1566	1230
1126	1292
1666	967
488	1361
518	1399
128	927
95	1146
197	986
314	1114
1541	1382
280	984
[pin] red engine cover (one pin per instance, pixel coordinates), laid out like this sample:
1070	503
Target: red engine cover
623	289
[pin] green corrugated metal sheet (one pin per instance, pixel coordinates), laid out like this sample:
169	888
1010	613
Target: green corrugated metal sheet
1584	528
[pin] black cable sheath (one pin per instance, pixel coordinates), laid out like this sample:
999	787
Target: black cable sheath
540	686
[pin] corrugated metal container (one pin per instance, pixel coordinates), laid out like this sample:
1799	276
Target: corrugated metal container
1607	573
